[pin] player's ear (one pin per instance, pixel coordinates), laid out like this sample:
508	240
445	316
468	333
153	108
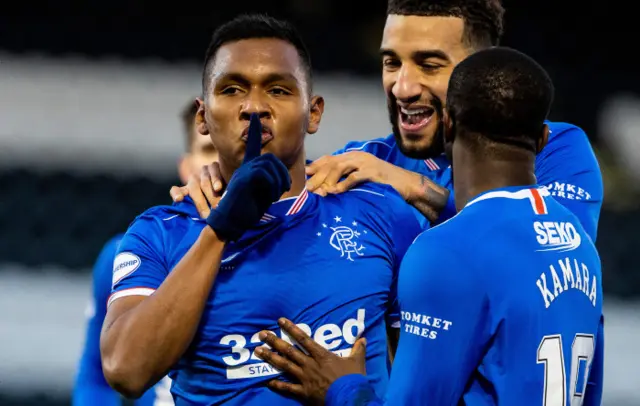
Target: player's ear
316	109
542	141
201	122
447	134
447	126
184	168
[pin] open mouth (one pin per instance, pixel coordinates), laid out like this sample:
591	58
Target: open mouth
414	119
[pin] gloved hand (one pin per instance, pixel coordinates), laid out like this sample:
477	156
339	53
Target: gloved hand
255	185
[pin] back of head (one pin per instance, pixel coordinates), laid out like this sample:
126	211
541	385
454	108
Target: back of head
482	18
500	95
255	26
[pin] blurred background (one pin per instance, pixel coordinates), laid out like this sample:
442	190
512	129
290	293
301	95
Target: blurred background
90	134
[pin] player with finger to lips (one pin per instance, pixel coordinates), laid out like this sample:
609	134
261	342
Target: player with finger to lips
191	295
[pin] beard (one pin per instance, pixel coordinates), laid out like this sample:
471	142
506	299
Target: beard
435	148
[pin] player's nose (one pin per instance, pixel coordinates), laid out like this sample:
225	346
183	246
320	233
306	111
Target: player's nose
407	87
254	104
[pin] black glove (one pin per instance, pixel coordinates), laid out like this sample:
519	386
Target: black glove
254	186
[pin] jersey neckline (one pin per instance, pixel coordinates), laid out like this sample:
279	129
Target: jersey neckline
534	193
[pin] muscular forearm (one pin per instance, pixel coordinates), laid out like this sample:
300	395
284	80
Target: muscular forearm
142	344
425	195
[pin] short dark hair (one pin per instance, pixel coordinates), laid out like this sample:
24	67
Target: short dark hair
188	116
482	18
502	95
252	26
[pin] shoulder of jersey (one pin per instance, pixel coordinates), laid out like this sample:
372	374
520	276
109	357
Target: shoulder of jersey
372	198
184	209
452	232
557	128
373	192
473	218
374	146
454	223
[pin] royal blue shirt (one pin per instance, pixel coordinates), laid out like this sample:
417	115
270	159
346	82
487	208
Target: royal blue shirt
506	311
567	167
328	264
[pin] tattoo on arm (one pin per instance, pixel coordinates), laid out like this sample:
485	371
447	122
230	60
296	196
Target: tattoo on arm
431	200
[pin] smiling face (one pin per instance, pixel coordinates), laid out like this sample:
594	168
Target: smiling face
264	76
418	57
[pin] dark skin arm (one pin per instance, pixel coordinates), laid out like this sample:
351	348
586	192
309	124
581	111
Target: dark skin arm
143	337
358	167
429	198
325	173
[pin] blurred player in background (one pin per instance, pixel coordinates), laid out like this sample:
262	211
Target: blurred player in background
497	312
190	296
423	40
90	387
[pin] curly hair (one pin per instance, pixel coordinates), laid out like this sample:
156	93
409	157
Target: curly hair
483	19
502	95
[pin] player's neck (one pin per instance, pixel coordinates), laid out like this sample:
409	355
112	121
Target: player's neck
478	174
298	178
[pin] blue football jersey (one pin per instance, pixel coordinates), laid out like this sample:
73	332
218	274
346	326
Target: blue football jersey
506	311
567	166
329	264
90	387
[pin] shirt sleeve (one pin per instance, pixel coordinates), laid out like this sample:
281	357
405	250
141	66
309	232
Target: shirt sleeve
352	390
352	146
593	393
445	322
90	387
568	168
139	267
